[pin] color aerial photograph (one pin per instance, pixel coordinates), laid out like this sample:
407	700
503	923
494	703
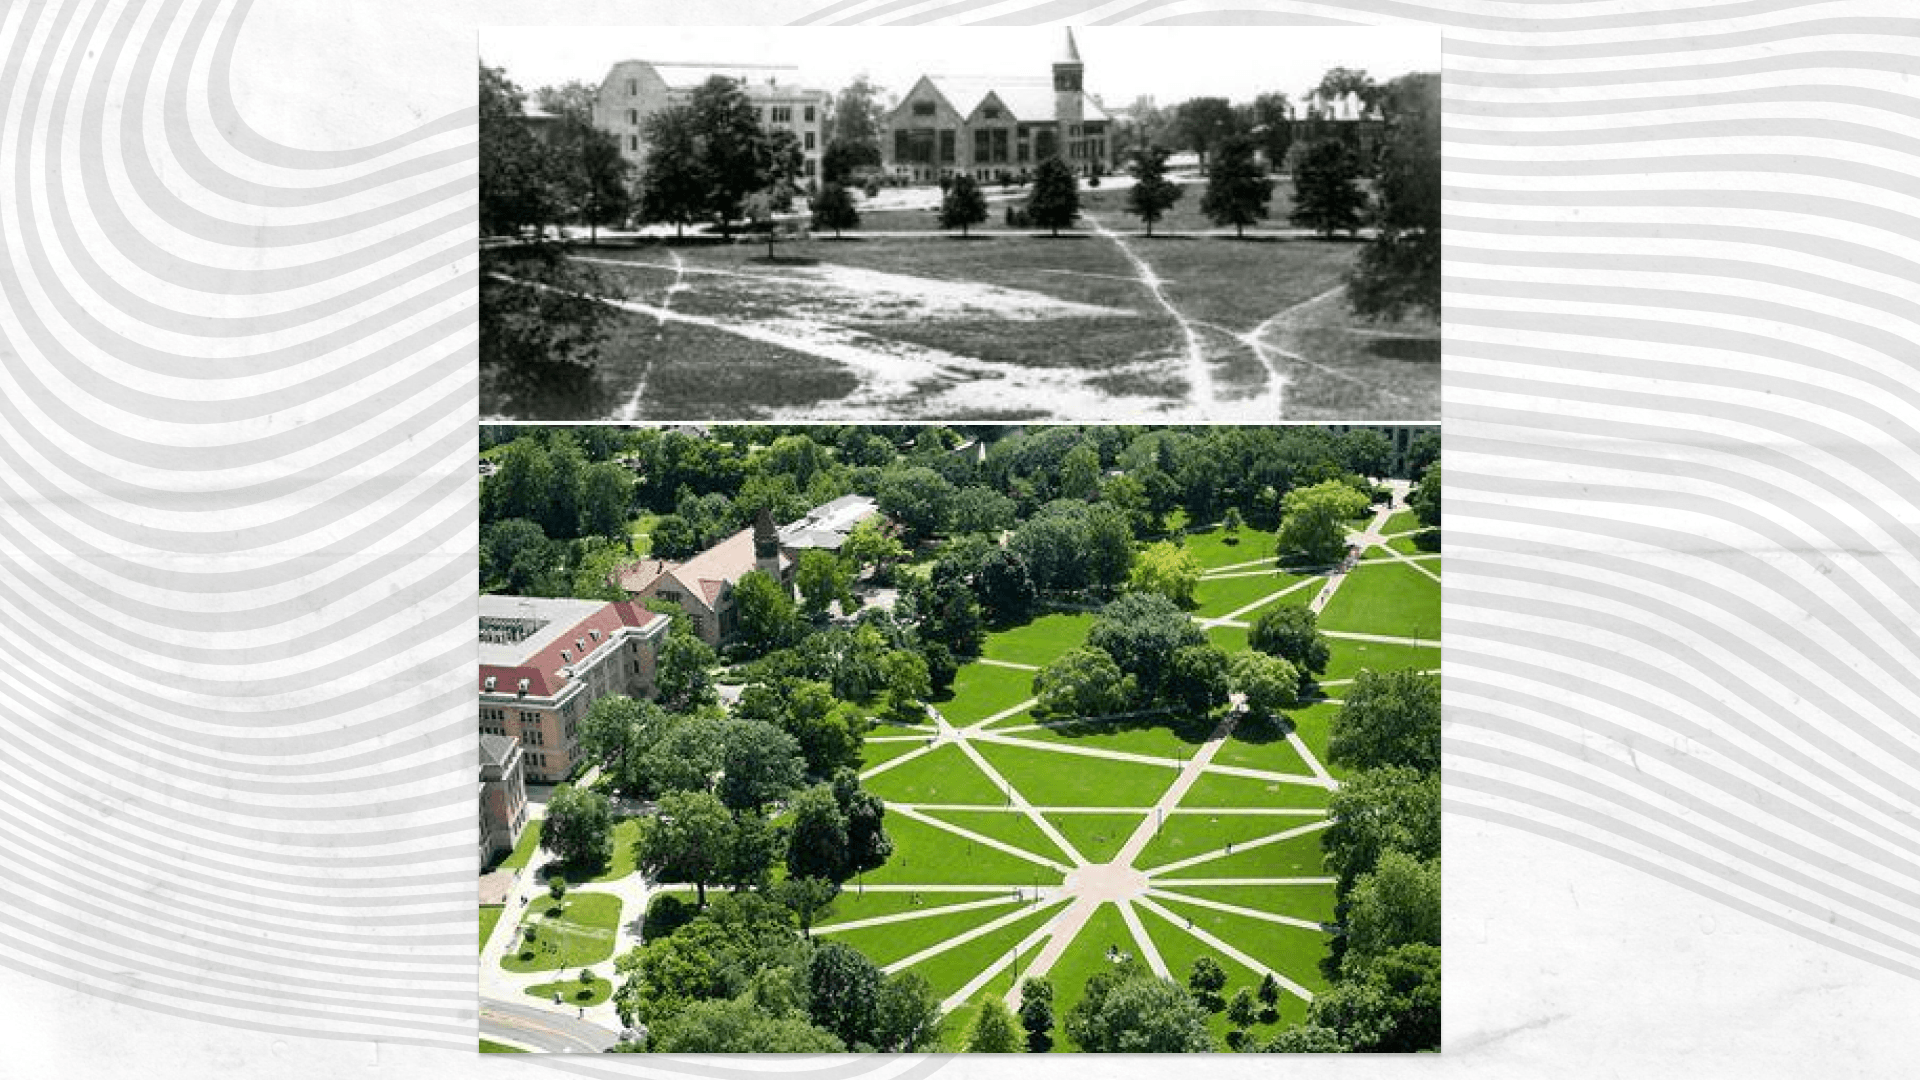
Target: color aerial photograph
1182	224
959	738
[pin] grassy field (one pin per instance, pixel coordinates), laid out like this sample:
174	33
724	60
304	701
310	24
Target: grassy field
873	753
489	917
1217	789
1039	642
852	905
1314	902
1216	597
1296	857
896	941
1008	827
1083	958
1231	638
1096	836
981	690
1387	599
948	972
944	775
1180	949
1182	836
573	992
1290	949
1153	736
1398	522
581	936
1311	723
523	850
927	854
1260	746
488	1046
1213	550
1049	779
1346	657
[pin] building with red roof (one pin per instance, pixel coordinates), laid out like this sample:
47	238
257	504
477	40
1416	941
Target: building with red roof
703	585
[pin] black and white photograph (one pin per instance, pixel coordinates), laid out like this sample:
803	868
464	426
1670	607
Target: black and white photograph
1070	223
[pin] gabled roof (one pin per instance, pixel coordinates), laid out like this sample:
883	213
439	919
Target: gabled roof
1025	97
707	574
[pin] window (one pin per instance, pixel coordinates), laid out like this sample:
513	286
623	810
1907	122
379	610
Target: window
982	143
633	117
946	147
999	156
532	735
633	143
809	140
633	87
923	108
991	112
809	114
783	114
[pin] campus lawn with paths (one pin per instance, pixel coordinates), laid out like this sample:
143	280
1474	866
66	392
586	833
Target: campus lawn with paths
1311	902
1047	778
1180	949
1217	597
950	971
1299	856
1184	835
874	752
1006	826
524	849
1040	641
931	855
1086	956
982	690
580	937
572	993
1291	950
1154	736
1212	550
1222	790
489	916
893	942
1346	657
1098	837
1262	746
942	775
852	905
1386	598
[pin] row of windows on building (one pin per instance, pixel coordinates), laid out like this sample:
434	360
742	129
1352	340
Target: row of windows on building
772	114
926	146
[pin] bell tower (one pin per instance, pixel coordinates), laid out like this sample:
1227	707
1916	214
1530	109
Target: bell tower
1067	75
766	546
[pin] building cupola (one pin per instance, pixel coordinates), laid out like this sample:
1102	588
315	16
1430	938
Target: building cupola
1067	68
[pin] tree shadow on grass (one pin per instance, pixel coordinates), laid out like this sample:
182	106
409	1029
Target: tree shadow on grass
1423	350
784	260
1191	730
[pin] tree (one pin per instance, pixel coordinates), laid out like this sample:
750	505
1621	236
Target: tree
1388	718
805	897
1036	1014
1313	526
1271	125
590	172
868	845
1230	524
739	1027
1391	808
1138	1015
514	188
760	763
1055	200
980	509
1082	682
673	185
1200	678
908	1015
1167	569
556	888
1005	587
1292	633
1207	123
1306	1039
993	1029
1424	499
578	828
822	579
1141	632
1206	980
1237	188
674	538
606	495
1269	995
908	686
1397	903
817	842
916	497
843	990
833	209
1080	474
1326	197
607	729
763	613
1152	194
869	545
683	675
1408	978
1241	1011
963	205
752	849
1366	451
1423	451
858	121
733	152
1268	683
687	839
1400	270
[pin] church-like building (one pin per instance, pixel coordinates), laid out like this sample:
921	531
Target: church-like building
981	126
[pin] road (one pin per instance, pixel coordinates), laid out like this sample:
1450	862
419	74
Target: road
527	1026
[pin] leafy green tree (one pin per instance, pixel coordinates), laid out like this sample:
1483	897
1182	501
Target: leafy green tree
1422	451
739	1027
760	763
515	189
1388	718
1237	188
1365	452
1292	633
817	840
1269	996
908	686
1230	524
869	545
843	991
1313	528
833	209
522	486
1326	195
1080	474
1268	683
1036	1014
1167	569
1390	808
1054	203
868	844
556	887
1408	977
908	1015
916	497
1397	903
687	839
606	496
1152	194
1206	980
517	556
763	613
822	579
993	1030
1355	1013
578	827
949	614
1424	499
1082	682
607	729
673	185
1141	632
683	674
1006	588
980	509
1241	1011
1306	1039
1200	678
674	538
1140	1015
752	849
733	151
1399	271
963	205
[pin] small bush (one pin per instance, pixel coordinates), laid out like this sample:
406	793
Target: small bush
1094	180
872	189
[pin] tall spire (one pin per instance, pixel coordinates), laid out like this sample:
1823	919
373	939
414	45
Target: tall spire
1072	53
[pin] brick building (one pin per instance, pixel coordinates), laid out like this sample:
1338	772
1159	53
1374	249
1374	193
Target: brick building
636	89
703	585
503	795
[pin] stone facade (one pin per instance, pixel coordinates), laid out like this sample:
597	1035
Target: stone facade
636	89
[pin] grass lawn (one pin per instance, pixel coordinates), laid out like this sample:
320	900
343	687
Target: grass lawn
1355	365
1212	550
1153	736
1404	545
489	916
852	905
1241	283
1182	836
572	992
1260	746
925	854
1180	949
1217	789
1398	522
1231	638
1215	597
523	851
944	775
1082	960
1345	658
1290	950
981	690
626	838
1096	836
873	753
1312	724
1039	642
1298	857
897	941
581	936
1387	599
1051	779
488	1046
1313	902
958	1024
1006	826
951	970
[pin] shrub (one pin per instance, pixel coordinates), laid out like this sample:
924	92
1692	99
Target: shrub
872	189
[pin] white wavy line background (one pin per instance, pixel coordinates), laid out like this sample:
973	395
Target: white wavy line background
236	435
